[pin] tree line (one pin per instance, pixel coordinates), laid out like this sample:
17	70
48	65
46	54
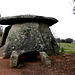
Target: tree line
67	40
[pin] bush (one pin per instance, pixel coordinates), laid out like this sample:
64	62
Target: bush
68	40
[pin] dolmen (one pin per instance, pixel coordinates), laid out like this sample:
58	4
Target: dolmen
28	34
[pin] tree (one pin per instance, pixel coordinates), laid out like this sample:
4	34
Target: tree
62	40
68	40
57	39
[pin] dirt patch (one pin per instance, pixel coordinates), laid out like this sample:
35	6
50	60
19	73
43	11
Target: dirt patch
63	65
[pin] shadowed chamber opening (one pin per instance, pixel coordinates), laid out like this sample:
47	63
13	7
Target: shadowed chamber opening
28	57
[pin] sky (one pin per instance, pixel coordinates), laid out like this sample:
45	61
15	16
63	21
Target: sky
59	9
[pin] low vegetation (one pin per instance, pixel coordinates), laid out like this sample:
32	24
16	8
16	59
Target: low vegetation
67	47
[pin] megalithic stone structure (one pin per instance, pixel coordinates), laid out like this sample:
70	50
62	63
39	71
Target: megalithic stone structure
28	33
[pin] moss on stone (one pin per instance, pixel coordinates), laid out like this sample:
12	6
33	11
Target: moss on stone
28	37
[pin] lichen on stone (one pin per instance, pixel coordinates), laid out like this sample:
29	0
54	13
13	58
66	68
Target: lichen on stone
27	38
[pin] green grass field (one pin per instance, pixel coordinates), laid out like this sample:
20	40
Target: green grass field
67	47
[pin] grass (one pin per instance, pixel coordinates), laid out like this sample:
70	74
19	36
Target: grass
67	47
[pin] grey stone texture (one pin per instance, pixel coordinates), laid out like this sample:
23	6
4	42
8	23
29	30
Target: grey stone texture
27	34
14	59
27	37
10	20
45	59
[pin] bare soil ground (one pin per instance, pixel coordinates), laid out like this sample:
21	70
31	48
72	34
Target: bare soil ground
63	65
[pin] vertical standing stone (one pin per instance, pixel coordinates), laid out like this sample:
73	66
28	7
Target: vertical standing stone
51	46
14	59
45	59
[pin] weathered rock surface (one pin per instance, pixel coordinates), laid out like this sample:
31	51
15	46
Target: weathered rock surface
45	59
51	46
27	18
28	34
24	38
14	59
29	37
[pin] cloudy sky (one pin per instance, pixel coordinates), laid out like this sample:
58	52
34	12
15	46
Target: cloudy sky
59	9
